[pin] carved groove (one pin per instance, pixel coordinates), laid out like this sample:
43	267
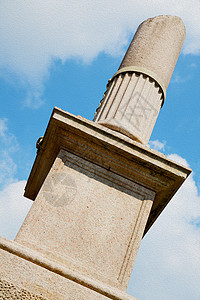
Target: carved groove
131	105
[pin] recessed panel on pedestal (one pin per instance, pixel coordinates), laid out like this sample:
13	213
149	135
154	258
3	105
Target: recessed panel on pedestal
88	218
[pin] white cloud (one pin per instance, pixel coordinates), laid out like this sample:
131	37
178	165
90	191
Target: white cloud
179	159
33	34
168	263
13	209
7	139
157	145
7	168
3	127
180	79
8	145
13	206
193	65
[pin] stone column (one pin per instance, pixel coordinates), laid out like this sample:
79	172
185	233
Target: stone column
137	91
96	192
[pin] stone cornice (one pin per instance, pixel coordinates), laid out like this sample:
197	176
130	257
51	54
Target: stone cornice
110	150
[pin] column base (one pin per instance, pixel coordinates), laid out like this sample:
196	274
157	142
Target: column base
26	274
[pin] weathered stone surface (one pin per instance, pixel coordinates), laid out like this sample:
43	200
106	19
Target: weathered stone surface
9	290
156	46
134	97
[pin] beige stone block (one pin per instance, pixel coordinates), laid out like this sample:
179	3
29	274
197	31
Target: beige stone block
26	274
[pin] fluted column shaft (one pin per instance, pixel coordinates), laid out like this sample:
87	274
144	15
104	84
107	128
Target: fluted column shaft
136	92
131	106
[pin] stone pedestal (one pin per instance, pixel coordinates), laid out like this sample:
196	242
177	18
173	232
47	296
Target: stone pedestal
96	194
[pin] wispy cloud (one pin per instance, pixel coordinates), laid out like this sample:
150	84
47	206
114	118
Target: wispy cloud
34	98
33	34
179	79
7	139
193	65
8	145
3	127
157	145
7	168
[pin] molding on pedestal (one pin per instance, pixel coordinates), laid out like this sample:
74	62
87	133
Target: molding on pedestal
36	259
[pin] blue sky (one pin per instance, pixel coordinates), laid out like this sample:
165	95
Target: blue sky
61	53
